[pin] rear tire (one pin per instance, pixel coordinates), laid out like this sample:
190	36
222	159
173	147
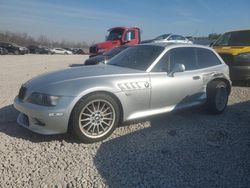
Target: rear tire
217	97
95	117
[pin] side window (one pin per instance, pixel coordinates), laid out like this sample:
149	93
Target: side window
206	58
172	37
176	37
163	65
130	35
185	56
4	44
179	37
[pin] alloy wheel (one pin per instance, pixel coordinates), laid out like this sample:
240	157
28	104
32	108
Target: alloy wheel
97	118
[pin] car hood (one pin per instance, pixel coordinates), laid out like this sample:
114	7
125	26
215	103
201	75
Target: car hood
76	73
108	44
234	50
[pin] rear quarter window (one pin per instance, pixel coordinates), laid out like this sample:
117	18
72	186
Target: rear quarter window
206	58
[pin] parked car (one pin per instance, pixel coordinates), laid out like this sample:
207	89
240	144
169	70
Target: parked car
171	38
69	49
78	51
14	48
39	50
143	80
234	48
33	49
61	51
3	51
103	58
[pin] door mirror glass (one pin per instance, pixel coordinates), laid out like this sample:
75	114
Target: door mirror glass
177	68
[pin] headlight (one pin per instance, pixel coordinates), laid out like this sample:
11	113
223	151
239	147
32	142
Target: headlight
43	99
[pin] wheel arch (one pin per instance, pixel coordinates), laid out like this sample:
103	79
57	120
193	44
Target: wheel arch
221	79
95	92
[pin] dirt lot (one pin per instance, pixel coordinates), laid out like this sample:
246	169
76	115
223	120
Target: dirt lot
181	149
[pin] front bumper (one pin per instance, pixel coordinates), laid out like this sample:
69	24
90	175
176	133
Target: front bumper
44	120
238	73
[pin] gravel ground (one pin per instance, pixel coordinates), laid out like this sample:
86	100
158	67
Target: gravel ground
181	149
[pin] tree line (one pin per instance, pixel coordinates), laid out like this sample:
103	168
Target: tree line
214	36
23	39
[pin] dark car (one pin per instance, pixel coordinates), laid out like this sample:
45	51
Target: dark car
105	56
78	51
75	50
14	48
3	51
39	50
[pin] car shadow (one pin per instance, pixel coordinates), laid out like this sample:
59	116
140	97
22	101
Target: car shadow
188	148
181	149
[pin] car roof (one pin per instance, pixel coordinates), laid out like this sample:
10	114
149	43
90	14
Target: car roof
237	30
123	28
174	45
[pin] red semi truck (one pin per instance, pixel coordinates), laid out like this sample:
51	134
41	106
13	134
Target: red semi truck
118	36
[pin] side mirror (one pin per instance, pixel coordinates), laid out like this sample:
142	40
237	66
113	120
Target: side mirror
211	44
177	68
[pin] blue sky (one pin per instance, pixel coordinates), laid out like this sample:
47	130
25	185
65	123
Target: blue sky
86	20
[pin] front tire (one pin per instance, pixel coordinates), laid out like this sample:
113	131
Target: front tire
217	97
95	117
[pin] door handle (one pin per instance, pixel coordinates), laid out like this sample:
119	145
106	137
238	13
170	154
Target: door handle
196	77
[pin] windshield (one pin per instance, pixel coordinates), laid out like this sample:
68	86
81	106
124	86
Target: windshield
162	37
237	38
138	57
115	34
115	51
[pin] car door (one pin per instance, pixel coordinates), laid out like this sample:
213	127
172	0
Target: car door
172	38
180	39
130	37
183	88
59	51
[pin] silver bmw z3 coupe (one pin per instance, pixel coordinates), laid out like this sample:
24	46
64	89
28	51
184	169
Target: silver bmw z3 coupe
144	80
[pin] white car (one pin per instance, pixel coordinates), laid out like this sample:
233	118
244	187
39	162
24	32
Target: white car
172	38
61	51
